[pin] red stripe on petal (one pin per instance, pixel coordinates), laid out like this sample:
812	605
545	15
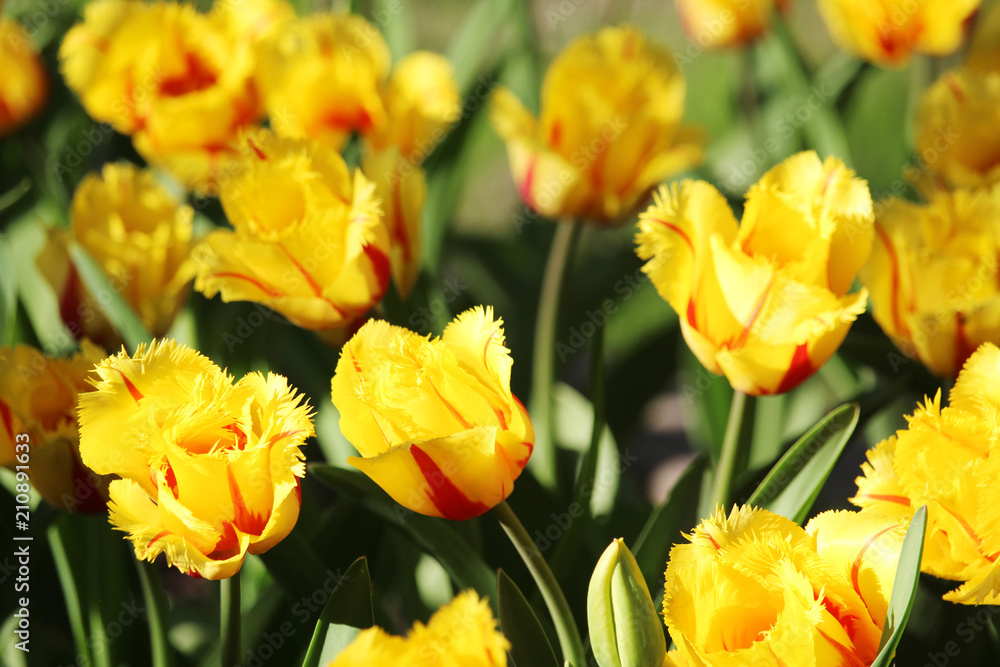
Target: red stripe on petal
856	565
799	371
156	538
447	498
228	544
524	187
244	519
381	266
136	394
272	292
8	419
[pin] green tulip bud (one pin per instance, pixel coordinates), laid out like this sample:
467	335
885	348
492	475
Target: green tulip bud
625	630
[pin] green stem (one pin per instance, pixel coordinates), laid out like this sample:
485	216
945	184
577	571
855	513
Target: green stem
543	460
732	444
588	469
68	583
229	625
555	600
156	613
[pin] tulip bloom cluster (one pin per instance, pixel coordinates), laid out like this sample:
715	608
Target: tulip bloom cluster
307	240
177	80
209	468
463	632
754	588
38	397
764	302
434	419
933	269
24	86
947	459
609	131
139	235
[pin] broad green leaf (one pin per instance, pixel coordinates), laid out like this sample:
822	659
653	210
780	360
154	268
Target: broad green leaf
904	588
792	485
112	303
530	647
436	536
665	523
348	611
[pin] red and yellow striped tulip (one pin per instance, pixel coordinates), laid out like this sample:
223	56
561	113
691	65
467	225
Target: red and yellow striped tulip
209	468
434	419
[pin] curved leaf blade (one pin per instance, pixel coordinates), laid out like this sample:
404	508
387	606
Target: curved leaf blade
904	588
348	611
792	485
530	646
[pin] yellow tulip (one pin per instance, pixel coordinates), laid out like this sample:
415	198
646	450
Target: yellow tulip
463	633
139	235
932	276
947	458
765	303
610	128
308	240
434	419
38	401
249	22
889	32
754	588
958	128
209	467
24	87
176	80
718	23
321	78
422	102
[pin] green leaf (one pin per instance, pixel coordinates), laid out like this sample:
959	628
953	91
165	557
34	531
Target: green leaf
665	523
436	536
530	646
155	599
8	294
790	489
904	588
472	41
113	304
348	611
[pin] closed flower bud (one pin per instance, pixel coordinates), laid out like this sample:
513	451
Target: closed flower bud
754	588
718	23
434	419
889	32
461	633
321	78
38	401
610	128
139	235
932	276
947	459
209	468
625	630
308	240
766	302
24	87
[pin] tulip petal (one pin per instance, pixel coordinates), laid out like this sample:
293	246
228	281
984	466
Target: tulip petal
457	477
